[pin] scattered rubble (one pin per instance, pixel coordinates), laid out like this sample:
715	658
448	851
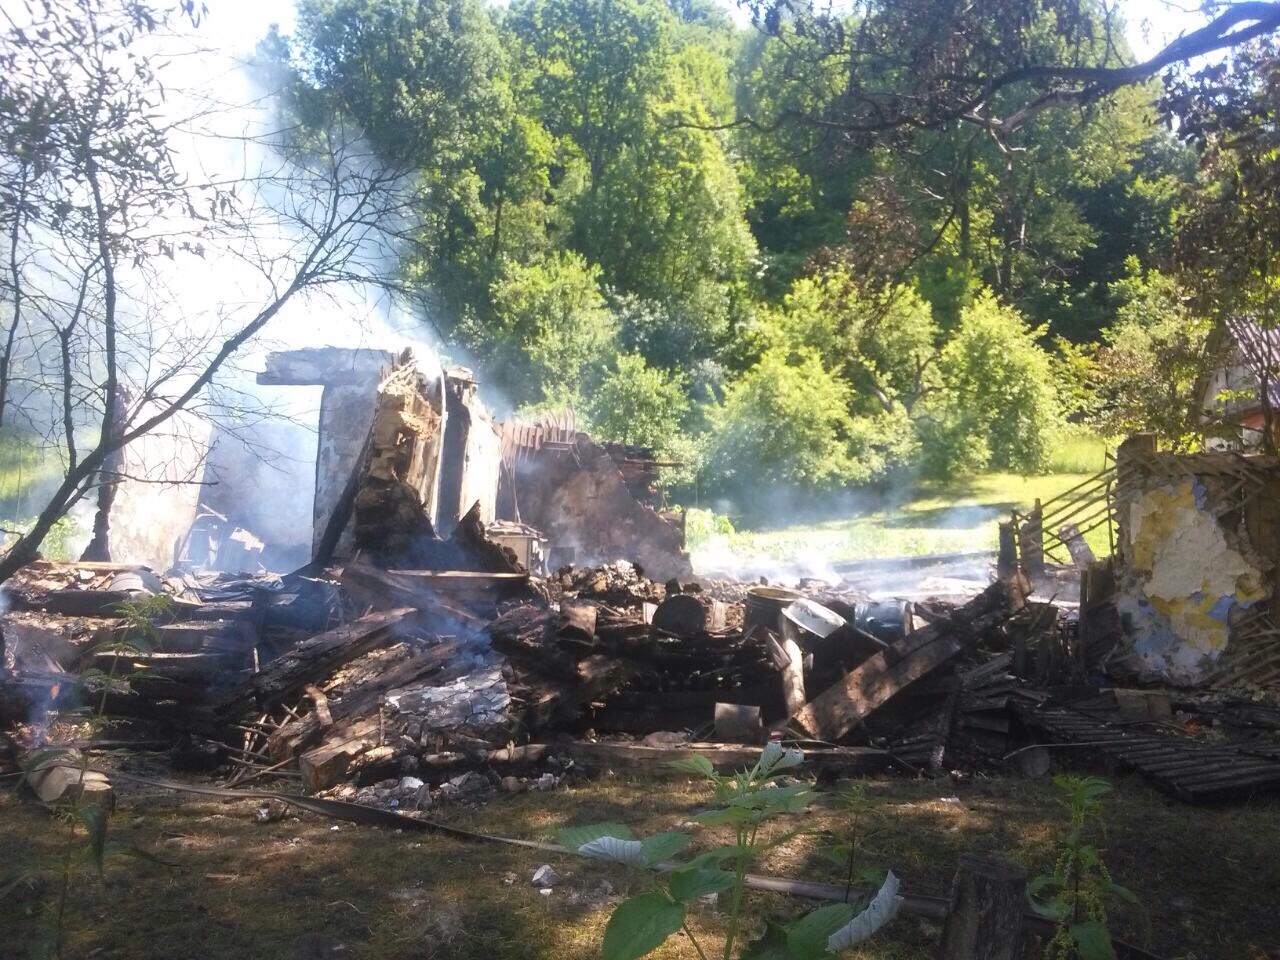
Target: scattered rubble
414	671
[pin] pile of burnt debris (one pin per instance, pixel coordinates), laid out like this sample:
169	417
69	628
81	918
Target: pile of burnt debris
403	687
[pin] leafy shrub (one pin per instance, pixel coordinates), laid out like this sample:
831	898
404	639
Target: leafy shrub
1076	892
701	525
997	407
551	329
1149	371
744	803
784	422
637	403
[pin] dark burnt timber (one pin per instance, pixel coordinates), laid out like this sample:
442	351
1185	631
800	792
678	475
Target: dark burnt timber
835	711
315	659
1191	771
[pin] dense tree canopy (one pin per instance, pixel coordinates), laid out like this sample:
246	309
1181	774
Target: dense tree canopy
904	237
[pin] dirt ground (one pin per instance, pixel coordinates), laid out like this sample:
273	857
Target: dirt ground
308	888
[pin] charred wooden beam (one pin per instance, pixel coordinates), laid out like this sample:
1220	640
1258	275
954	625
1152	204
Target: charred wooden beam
866	688
313	660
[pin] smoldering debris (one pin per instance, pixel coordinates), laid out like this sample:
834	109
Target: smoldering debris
417	659
409	689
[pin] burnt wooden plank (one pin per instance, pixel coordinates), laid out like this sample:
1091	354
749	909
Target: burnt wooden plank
1187	769
867	687
315	659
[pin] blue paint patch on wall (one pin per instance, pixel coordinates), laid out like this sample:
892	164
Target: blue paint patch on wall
1222	607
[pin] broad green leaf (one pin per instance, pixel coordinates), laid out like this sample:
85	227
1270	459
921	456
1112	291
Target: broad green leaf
715	856
871	873
1092	940
94	818
775	758
1093	787
628	852
663	846
790	799
686	884
574	837
725	817
641	925
807	937
696	764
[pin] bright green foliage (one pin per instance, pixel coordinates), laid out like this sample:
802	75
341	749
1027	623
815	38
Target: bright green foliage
884	347
834	308
416	73
636	403
1076	892
800	180
744	803
592	65
1149	373
785	421
551	328
831	396
996	408
641	925
661	210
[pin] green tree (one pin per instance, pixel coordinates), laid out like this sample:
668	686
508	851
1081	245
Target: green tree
784	422
593	64
417	74
638	404
551	332
1151	372
997	407
647	406
884	347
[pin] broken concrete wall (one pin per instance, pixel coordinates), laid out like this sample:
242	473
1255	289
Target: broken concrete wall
473	454
350	381
155	506
576	495
1197	550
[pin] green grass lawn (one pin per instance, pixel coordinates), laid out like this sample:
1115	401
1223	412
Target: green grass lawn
933	520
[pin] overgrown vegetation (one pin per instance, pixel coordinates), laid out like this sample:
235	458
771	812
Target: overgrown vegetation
691	232
248	889
84	813
745	803
1076	892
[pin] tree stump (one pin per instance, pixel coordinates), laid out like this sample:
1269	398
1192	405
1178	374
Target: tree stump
986	919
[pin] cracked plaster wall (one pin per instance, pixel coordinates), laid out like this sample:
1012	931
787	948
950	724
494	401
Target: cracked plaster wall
1186	579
